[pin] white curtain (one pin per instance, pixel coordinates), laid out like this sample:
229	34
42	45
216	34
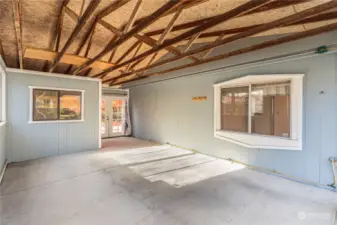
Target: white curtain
126	128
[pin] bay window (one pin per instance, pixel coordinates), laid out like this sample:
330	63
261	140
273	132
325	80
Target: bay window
260	111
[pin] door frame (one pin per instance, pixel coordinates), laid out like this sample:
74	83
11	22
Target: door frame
107	125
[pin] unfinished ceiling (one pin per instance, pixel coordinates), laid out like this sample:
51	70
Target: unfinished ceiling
119	41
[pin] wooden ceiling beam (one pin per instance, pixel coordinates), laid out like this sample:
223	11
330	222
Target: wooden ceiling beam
186	5
136	63
134	55
112	7
113	52
133	17
191	42
82	7
268	44
276	5
17	14
169	27
109	9
127	52
147	40
244	8
207	52
271	6
43	54
90	32
314	19
71	14
150	41
89	10
79	49
56	35
136	29
163	36
262	28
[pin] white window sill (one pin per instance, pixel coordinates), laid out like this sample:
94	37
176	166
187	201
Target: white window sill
57	121
259	141
3	123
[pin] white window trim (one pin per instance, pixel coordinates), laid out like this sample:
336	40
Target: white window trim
264	141
31	121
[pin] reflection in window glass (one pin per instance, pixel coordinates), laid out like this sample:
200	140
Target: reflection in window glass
56	105
45	105
234	109
70	105
270	107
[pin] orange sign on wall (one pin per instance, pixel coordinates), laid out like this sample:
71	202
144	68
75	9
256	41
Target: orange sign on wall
199	98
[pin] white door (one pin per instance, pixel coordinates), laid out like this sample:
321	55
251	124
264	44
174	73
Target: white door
113	111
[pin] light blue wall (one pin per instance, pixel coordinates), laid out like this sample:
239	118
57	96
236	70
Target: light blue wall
163	111
30	141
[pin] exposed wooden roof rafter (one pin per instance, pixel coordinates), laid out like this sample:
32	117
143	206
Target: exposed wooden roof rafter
163	36
139	46
265	8
90	8
191	42
133	16
17	14
264	27
112	7
186	5
267	44
127	52
148	21
314	19
244	8
89	34
147	40
34	53
190	39
56	35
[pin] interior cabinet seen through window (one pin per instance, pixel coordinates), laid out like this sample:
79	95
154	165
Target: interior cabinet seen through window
257	108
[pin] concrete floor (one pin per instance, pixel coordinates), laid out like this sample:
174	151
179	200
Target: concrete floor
98	187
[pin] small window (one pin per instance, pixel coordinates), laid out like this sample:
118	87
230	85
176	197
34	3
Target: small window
54	105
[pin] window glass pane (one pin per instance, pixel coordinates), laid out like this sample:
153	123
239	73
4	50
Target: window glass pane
45	105
234	109
270	107
70	105
117	116
103	129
